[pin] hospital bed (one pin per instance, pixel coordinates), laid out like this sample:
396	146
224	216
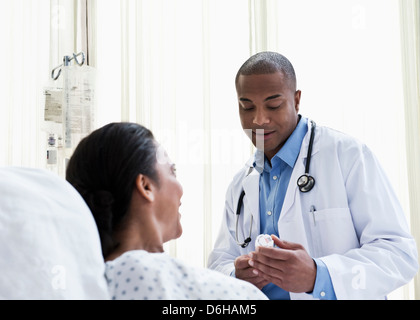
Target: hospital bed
49	243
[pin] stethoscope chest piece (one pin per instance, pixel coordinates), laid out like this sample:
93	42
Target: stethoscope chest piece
305	182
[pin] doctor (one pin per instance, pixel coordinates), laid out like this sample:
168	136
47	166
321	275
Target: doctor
339	229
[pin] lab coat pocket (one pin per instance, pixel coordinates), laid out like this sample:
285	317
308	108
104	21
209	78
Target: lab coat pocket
332	231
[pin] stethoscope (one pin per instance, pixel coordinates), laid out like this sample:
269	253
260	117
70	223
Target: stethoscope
305	183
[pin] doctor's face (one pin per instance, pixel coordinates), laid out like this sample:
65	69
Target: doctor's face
268	109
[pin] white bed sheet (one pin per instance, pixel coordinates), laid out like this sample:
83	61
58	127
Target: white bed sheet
49	243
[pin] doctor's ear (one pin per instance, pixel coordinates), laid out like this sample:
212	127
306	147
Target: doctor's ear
298	94
146	187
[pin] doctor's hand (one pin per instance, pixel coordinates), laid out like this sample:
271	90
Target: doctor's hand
243	271
289	266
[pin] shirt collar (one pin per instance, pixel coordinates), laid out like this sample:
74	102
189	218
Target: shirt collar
288	153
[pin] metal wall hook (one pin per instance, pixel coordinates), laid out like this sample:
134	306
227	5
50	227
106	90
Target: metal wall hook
66	62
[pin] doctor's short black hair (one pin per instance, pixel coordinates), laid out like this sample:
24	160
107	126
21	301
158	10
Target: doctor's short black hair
267	62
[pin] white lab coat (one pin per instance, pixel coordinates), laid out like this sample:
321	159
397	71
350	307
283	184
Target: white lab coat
358	230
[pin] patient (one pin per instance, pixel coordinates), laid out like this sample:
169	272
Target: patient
132	191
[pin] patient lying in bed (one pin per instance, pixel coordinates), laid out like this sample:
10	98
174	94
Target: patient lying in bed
130	186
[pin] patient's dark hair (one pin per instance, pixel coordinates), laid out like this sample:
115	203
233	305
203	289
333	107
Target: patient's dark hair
104	168
268	62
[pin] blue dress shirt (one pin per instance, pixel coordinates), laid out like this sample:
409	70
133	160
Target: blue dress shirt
274	180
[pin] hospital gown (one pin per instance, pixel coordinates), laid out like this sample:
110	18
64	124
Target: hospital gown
140	275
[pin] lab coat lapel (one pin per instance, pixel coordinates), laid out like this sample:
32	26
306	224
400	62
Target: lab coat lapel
251	186
293	192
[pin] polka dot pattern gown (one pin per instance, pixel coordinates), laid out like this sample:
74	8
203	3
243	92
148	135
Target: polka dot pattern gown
140	275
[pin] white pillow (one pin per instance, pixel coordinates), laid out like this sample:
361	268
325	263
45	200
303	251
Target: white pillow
49	242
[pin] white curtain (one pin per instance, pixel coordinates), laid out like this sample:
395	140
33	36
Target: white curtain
25	36
410	40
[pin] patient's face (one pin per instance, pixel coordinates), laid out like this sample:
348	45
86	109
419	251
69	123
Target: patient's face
168	197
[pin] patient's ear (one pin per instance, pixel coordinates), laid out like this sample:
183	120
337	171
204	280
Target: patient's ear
145	187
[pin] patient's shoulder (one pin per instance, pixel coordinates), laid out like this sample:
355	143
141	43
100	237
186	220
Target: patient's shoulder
143	275
136	275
